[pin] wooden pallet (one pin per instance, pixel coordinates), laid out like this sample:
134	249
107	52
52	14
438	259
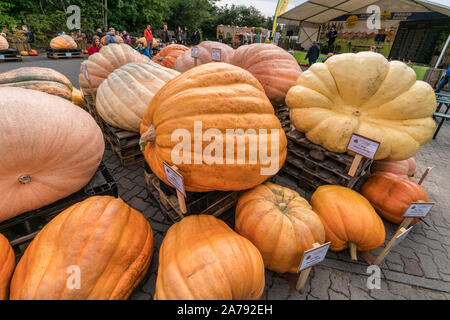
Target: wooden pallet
22	229
215	203
10	55
284	116
64	54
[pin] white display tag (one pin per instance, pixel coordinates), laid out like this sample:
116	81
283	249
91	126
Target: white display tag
68	54
314	256
216	54
194	52
363	146
174	178
86	75
2	57
418	209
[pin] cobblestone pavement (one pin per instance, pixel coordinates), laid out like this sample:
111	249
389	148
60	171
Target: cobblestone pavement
418	268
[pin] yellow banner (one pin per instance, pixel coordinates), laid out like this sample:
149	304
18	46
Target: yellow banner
281	8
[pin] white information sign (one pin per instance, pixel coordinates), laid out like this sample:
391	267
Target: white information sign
194	52
86	75
314	256
216	54
401	237
363	146
418	209
2	57
68	54
174	178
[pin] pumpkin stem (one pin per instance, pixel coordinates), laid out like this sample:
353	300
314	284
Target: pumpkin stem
353	247
282	206
148	137
24	178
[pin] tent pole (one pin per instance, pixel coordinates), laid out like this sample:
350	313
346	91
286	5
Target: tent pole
443	52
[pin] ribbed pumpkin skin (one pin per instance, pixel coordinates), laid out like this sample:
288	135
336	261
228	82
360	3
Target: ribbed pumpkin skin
366	94
60	148
347	217
201	258
40	79
276	69
3	43
222	97
111	243
185	62
77	98
167	56
7	262
125	95
102	40
63	42
108	59
282	236
403	168
391	195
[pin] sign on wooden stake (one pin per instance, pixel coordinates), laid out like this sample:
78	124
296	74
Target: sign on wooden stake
363	147
310	258
176	179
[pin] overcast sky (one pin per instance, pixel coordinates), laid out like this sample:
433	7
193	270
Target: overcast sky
267	7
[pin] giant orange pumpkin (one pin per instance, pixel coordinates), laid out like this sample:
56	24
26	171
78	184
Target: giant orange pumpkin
102	239
348	218
167	56
365	94
185	61
201	258
403	168
276	69
50	149
41	79
63	42
108	59
391	195
3	43
211	99
102	40
6	267
280	223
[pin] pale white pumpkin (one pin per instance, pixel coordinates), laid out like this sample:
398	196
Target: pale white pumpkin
125	95
3	43
365	94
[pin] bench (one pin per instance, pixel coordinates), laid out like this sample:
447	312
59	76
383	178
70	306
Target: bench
443	117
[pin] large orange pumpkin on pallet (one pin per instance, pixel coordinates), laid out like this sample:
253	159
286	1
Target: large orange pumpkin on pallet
102	240
125	95
40	79
108	59
63	42
403	168
201	258
211	99
3	43
185	61
276	69
167	56
55	155
391	195
7	262
102	40
348	218
280	223
365	94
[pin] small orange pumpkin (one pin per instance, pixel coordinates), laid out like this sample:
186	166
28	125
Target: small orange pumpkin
391	195
167	56
349	219
280	223
6	266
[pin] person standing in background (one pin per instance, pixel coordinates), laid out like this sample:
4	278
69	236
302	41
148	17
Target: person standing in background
164	35
142	49
184	36
28	34
148	34
331	36
95	47
178	35
111	37
313	53
196	37
220	37
443	81
99	33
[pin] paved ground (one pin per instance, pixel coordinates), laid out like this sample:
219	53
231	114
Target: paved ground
418	268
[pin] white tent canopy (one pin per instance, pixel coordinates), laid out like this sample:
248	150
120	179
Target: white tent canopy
322	11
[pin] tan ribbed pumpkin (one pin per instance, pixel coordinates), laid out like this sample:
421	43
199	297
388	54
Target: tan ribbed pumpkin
108	59
50	149
63	42
274	67
40	79
185	62
3	43
102	240
125	95
7	262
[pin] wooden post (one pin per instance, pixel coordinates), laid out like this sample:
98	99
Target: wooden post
180	196
355	165
304	274
90	84
195	62
427	171
386	250
405	223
